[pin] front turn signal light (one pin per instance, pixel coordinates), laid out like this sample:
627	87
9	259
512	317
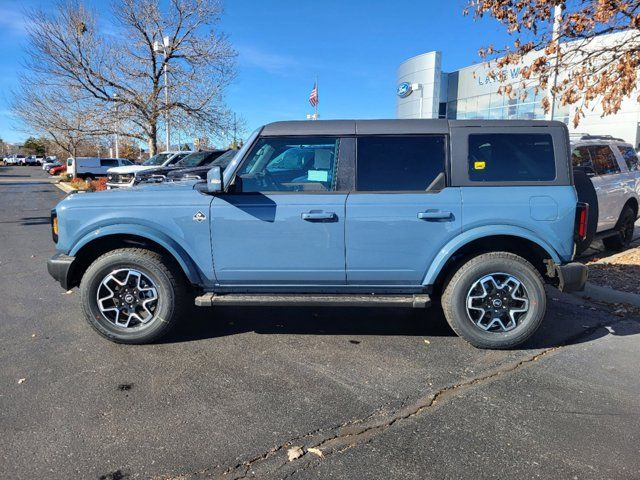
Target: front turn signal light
54	226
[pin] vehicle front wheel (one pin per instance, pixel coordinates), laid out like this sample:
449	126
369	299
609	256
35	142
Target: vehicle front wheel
495	300
624	231
133	295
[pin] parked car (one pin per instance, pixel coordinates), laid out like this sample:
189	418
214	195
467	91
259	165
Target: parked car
200	173
612	165
40	159
58	169
196	159
91	167
29	160
478	214
119	177
49	163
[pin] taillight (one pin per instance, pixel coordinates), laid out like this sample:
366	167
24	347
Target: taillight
582	220
54	226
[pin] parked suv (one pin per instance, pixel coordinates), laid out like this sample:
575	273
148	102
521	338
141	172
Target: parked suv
475	214
612	164
194	162
119	177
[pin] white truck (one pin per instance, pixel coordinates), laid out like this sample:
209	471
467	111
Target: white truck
90	167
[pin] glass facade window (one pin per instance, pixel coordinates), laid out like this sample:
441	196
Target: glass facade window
495	106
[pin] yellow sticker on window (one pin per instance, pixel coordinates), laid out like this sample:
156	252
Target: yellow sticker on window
479	165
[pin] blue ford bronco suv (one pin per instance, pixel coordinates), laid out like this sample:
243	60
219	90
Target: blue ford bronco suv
476	215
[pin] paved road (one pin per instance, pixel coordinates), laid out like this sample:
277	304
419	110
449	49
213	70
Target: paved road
383	394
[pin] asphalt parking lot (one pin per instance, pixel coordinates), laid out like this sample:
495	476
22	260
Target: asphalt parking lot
381	394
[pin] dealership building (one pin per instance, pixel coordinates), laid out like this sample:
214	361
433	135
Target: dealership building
425	91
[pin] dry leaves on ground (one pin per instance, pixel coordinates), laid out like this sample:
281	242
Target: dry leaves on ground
620	272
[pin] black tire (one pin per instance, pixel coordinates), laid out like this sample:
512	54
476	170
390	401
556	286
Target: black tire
454	299
624	231
170	284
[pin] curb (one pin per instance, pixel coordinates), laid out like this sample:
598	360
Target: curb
608	295
65	188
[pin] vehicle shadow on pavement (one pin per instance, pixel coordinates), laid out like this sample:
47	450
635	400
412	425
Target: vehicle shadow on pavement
565	323
30	221
22	184
223	321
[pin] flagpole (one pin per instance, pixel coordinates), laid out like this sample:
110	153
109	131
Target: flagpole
318	95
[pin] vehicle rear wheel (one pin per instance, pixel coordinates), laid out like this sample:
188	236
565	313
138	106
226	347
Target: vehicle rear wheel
624	231
495	300
133	295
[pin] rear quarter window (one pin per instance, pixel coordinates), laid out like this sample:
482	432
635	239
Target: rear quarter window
511	157
630	157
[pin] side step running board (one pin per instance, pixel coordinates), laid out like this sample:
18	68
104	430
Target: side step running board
314	300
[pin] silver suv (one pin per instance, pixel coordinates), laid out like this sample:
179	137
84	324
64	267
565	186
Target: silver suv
612	164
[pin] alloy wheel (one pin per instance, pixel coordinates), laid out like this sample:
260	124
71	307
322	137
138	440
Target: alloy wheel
497	302
127	298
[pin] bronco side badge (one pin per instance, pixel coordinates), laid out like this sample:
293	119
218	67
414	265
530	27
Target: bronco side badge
199	217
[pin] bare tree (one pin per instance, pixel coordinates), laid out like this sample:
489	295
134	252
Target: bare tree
595	72
63	116
121	75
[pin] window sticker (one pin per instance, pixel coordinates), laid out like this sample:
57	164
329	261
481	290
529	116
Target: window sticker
479	165
318	175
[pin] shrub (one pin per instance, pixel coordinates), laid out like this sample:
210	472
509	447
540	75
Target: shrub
98	185
79	184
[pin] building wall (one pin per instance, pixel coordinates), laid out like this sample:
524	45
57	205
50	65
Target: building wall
471	93
423	71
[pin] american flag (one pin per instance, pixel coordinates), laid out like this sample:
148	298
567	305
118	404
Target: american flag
313	96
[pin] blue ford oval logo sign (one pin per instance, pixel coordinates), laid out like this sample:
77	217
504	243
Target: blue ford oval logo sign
404	89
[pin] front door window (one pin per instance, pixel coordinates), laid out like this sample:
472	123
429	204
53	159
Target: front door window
290	164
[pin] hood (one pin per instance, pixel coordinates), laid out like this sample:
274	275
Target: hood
129	169
201	171
169	194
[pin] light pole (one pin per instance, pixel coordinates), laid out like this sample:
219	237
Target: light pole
162	49
117	142
557	23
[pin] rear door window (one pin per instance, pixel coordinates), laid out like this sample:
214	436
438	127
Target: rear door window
108	163
400	163
604	160
511	157
581	158
630	157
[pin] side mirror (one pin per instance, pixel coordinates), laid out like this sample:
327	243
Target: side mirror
214	180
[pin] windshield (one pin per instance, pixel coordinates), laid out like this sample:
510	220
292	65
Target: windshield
223	160
158	159
193	160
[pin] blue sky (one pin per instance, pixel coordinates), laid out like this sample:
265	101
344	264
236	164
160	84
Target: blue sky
353	46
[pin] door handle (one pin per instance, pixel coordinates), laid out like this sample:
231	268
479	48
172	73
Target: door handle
316	216
435	215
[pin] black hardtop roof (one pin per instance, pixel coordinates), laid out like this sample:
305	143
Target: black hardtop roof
389	127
